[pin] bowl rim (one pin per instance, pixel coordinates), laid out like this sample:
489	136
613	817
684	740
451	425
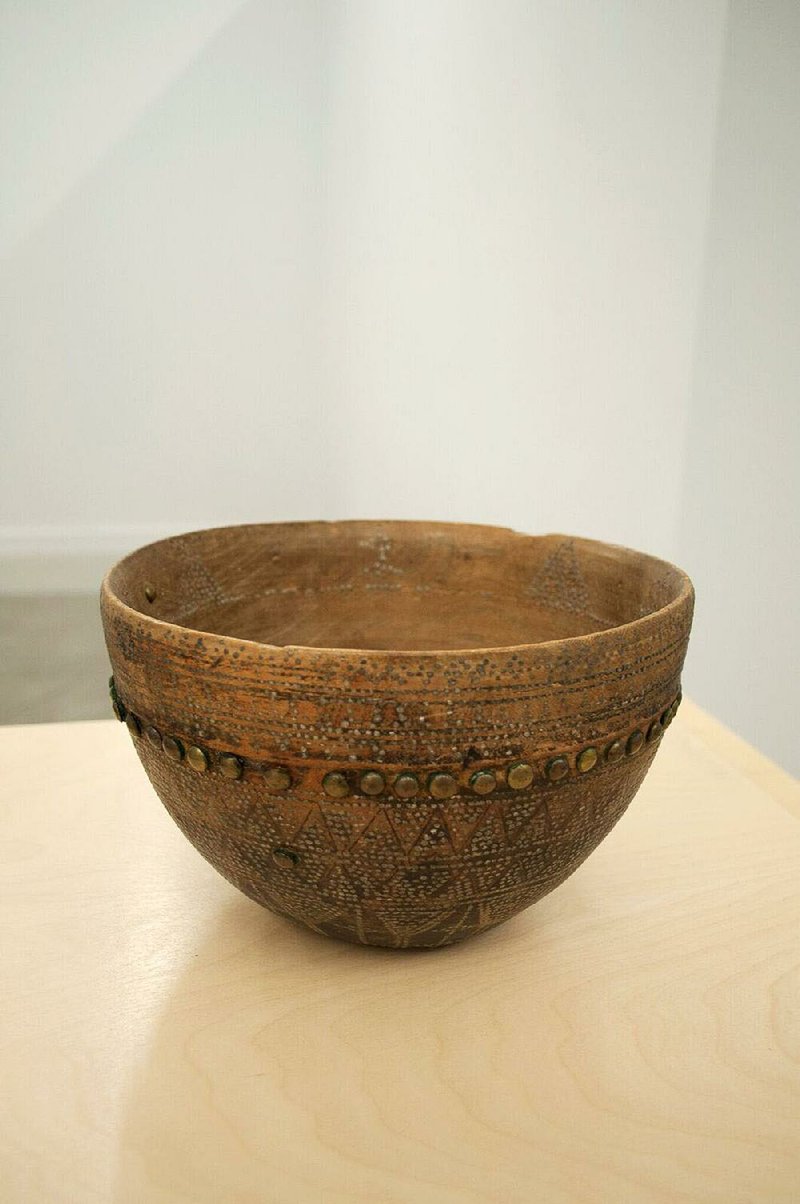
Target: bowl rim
683	598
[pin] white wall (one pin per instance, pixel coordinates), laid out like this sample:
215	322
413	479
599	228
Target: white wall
160	322
517	197
434	259
269	261
740	530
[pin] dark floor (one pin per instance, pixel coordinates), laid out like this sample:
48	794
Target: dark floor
53	662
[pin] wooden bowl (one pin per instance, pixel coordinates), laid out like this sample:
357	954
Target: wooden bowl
396	733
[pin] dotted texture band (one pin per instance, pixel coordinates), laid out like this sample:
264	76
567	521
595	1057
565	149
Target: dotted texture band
406	783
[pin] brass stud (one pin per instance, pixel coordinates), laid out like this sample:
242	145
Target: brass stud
483	781
133	724
586	760
614	751
277	779
172	747
667	716
285	857
442	785
519	775
150	592
635	742
154	736
406	785
557	769
230	766
654	731
372	782
118	709
197	758
335	784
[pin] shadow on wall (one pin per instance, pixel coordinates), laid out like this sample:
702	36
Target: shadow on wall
53	659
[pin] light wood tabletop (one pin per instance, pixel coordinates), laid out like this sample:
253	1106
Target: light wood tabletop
634	1037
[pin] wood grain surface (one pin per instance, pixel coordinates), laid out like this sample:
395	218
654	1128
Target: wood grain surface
634	1037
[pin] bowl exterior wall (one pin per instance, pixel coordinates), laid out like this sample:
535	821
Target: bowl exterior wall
396	799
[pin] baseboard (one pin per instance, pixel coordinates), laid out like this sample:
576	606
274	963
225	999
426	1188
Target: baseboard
57	560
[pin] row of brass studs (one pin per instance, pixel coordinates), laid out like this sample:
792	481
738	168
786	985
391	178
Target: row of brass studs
518	776
439	785
276	778
588	758
406	785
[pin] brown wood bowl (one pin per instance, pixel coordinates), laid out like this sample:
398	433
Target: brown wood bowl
396	733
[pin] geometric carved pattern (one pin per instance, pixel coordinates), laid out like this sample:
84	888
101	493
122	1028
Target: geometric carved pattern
416	872
559	584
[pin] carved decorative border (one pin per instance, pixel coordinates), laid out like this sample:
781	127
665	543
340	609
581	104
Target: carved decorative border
404	784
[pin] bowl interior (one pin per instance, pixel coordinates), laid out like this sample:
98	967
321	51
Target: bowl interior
391	585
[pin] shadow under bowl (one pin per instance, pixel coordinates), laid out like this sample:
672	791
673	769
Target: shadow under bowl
398	733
